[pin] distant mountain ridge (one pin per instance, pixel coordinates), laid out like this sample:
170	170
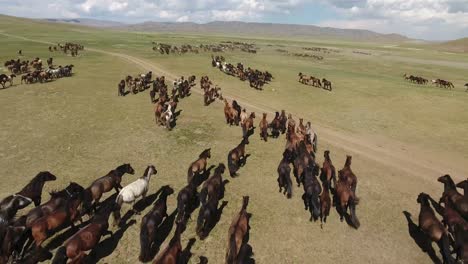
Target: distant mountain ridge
240	29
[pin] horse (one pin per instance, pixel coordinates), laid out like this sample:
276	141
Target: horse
302	160
301	128
6	78
150	223
328	172
121	88
230	114
198	166
214	185
33	189
466	85
347	175
463	185
106	183
345	198
433	227
187	201
134	190
461	243
248	126
459	201
327	85
264	128
172	253
450	216
243	116
325	203
238	109
236	157
283	120
275	126
284	175
237	231
312	190
86	238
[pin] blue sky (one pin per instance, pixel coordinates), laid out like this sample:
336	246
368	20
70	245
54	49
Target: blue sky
426	19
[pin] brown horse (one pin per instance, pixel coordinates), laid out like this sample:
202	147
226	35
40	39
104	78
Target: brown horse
121	88
328	173
312	190
237	157
230	114
105	184
33	189
237	231
450	216
248	126
463	185
293	139
275	126
301	128
151	222
344	199
214	185
450	191
430	225
264	128
187	202
284	174
86	238
346	175
302	160
172	253
198	166
283	120
325	203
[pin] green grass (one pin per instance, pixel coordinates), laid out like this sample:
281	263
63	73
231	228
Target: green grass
79	129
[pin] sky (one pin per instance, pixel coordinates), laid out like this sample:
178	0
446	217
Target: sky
422	19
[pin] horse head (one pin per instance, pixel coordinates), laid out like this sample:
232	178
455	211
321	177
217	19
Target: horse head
46	176
126	168
422	198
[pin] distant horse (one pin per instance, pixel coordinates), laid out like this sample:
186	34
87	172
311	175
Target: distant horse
236	157
106	183
198	166
150	223
133	191
433	227
237	231
264	128
121	88
345	198
248	126
325	202
284	174
33	189
6	78
172	253
86	238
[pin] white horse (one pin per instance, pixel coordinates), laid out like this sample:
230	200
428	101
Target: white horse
138	188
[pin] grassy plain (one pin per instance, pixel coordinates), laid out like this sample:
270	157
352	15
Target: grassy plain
402	136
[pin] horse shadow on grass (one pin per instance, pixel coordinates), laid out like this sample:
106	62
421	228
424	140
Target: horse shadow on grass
210	227
186	253
162	233
246	251
198	179
107	246
421	239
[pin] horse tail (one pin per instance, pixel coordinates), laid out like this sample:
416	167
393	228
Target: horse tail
144	243
60	256
232	167
231	255
444	245
352	207
116	212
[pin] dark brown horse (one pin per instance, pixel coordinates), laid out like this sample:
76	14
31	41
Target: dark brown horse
283	121
237	231
214	186
328	173
33	189
105	184
121	88
325	202
151	222
198	166
312	190
463	185
172	253
248	125
433	227
86	238
207	216
347	176
264	128
187	201
450	191
302	160
237	157
275	126
284	174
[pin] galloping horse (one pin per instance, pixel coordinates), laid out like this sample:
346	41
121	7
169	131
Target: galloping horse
347	176
198	166
248	127
6	78
284	174
450	191
283	120
237	231
325	203
264	128
106	183
328	173
275	126
214	185
85	239
33	189
131	192
150	223
187	201
236	157
172	253
312	190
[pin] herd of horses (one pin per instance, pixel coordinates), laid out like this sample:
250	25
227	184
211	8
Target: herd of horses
257	79
437	82
73	48
311	80
166	49
33	71
450	234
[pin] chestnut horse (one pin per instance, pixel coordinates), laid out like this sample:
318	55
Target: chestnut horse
264	128
248	126
33	189
347	176
236	157
86	238
198	166
325	203
106	183
275	126
312	190
237	231
459	201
